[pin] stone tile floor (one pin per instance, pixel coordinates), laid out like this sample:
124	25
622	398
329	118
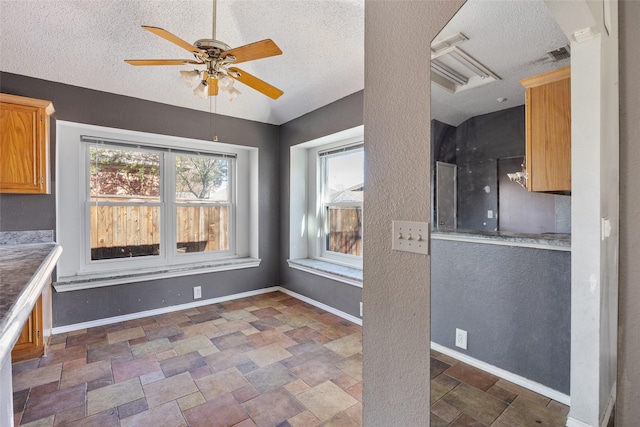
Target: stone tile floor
462	395
267	360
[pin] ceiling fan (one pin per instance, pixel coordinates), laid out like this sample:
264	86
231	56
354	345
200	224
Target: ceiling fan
218	59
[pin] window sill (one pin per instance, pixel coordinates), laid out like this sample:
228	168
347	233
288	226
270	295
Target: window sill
89	281
349	275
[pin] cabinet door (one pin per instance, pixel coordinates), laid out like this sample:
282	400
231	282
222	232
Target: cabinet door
30	344
549	137
23	149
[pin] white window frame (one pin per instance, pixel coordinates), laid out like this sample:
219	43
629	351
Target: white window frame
305	205
321	191
73	212
231	204
167	204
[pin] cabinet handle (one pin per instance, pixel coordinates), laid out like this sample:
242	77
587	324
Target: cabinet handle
42	180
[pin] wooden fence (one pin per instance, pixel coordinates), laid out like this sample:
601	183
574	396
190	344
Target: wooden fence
130	231
127	231
345	230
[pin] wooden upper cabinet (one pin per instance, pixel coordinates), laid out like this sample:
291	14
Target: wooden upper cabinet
548	131
24	144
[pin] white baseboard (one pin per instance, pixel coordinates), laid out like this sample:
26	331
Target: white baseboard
200	303
509	376
573	422
346	316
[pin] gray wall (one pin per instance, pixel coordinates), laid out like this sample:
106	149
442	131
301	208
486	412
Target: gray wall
514	302
628	410
75	104
343	114
480	142
475	146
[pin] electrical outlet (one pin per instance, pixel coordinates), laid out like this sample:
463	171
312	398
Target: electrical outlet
360	308
197	292
461	338
489	214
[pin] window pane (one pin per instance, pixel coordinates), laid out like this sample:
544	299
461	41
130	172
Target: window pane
202	228
345	230
202	178
124	175
124	231
345	177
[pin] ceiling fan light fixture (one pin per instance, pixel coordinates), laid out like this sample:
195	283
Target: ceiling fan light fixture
201	90
189	77
232	93
225	82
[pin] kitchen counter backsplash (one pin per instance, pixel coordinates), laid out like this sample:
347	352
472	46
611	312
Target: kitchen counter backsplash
25	237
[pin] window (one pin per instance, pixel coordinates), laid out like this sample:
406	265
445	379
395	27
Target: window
203	203
326	188
125	206
341	192
132	203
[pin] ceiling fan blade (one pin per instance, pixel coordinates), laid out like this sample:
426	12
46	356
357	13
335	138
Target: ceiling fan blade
212	84
257	50
173	39
257	84
162	61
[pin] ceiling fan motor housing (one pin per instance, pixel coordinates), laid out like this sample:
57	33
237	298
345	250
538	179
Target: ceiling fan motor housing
214	48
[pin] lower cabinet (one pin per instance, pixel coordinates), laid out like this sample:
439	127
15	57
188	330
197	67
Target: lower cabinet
30	344
36	333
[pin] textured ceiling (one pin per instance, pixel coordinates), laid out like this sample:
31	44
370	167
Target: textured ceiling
84	43
511	38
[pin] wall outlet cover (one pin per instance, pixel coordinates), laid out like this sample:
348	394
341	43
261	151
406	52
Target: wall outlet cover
461	338
197	292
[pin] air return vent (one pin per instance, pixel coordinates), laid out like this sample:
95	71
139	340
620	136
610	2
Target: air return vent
560	53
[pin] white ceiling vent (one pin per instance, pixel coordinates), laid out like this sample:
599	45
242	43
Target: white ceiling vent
559	54
455	70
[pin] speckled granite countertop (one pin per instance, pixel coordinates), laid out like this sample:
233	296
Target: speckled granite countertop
555	241
24	271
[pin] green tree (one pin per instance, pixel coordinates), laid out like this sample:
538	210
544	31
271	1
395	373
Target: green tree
200	176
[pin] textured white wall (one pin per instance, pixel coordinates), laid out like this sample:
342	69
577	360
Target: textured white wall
627	409
595	171
397	173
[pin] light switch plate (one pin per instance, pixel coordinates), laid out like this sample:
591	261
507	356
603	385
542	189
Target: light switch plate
411	236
